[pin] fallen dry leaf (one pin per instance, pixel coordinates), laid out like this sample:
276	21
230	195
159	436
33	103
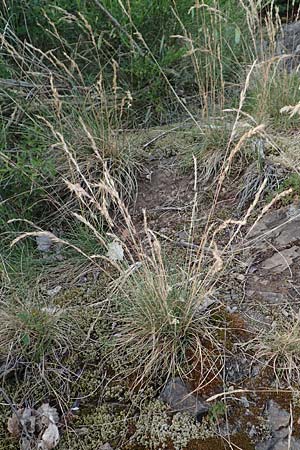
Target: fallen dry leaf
13	426
50	438
47	414
35	428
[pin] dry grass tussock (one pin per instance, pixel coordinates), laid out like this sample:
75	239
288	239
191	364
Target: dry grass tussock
278	349
33	331
165	318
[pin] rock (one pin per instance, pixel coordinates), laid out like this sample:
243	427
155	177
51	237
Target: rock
278	418
274	246
272	297
44	243
281	260
290	45
284	444
179	399
279	444
279	421
281	227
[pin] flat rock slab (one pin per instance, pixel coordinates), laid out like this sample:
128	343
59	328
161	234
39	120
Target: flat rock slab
280	227
281	260
279	444
274	247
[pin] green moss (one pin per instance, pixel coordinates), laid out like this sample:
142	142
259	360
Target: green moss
95	428
155	429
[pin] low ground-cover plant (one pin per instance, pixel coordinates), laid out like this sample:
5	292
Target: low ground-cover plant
33	331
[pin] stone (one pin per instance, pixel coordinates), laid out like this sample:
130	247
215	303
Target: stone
178	397
279	421
281	227
285	444
289	45
279	444
278	418
44	243
281	260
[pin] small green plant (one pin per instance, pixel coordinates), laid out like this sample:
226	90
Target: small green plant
292	181
217	411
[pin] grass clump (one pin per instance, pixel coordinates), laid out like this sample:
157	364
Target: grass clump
272	89
162	325
210	150
279	348
32	332
291	181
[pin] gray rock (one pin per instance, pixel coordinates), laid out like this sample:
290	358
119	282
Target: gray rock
281	260
285	444
281	227
271	297
44	243
290	45
180	399
279	419
279	444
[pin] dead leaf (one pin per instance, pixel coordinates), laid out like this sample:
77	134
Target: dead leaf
13	426
27	420
50	438
35	428
47	415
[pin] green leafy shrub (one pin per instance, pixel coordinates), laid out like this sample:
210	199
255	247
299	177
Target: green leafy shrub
192	50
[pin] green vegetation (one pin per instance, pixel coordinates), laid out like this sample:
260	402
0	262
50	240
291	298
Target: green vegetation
272	90
161	329
177	105
31	331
